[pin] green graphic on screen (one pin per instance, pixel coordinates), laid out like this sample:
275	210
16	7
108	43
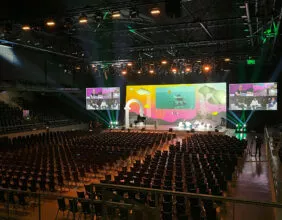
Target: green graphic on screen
175	97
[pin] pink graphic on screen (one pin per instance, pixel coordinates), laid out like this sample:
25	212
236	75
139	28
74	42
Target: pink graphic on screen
210	103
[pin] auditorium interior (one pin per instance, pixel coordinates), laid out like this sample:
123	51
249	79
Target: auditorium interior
141	109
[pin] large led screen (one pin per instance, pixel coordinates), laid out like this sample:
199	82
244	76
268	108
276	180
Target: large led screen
253	96
176	104
103	98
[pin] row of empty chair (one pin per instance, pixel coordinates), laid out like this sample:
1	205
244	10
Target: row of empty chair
201	164
42	114
52	161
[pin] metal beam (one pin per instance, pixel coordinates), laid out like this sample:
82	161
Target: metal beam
181	45
278	27
5	42
249	22
184	25
206	30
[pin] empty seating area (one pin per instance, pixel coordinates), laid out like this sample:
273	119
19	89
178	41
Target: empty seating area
59	160
42	114
201	164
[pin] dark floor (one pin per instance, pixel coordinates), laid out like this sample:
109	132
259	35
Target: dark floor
253	183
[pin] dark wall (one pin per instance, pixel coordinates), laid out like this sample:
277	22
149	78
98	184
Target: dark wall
18	64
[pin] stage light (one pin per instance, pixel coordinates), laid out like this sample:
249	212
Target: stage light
198	61
227	59
237	125
155	11
26	27
77	67
129	64
139	72
174	70
83	19
164	62
245	125
123	72
116	14
207	68
188	70
151	71
50	23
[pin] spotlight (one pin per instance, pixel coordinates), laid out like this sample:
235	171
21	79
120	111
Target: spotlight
188	70
164	62
139	72
50	23
237	125
83	19
174	70
77	67
227	59
26	27
123	72
129	64
116	14
155	11
245	125
207	68
151	71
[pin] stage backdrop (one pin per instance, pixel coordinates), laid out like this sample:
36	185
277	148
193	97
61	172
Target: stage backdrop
171	104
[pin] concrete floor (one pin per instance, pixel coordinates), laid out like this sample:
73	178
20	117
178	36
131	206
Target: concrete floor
253	182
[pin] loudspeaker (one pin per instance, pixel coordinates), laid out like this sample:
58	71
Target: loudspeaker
170	130
216	130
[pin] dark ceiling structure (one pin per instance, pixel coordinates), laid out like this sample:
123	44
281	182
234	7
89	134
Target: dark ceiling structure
186	29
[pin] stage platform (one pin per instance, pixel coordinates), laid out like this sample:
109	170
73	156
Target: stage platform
178	130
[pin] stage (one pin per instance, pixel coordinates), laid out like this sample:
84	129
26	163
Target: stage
178	130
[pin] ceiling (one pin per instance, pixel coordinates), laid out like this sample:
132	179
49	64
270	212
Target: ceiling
205	28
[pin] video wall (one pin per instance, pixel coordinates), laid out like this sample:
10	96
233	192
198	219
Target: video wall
103	98
174	104
253	96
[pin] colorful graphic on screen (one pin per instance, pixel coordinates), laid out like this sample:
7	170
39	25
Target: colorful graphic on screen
253	96
174	104
103	98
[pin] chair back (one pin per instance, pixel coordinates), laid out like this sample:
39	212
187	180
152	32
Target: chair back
85	205
73	205
62	204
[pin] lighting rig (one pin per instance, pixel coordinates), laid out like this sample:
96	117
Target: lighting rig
241	128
